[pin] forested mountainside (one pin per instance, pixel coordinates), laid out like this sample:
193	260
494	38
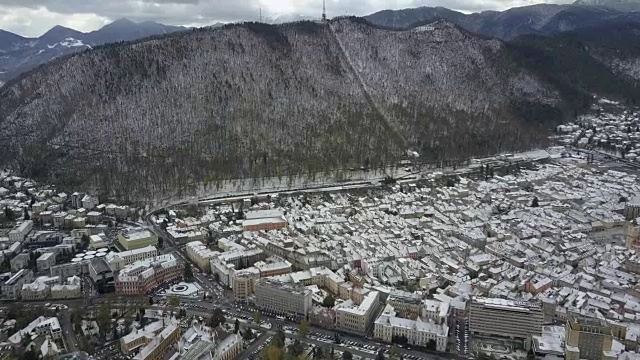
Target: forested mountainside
541	19
156	117
601	60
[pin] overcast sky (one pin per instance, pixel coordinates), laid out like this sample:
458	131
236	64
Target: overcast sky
34	17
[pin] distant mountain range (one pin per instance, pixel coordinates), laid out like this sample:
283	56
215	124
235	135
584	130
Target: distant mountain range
541	19
19	54
621	5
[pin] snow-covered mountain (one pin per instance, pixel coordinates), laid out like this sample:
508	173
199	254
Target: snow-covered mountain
620	5
19	54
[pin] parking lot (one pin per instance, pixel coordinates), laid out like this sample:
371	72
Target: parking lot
462	336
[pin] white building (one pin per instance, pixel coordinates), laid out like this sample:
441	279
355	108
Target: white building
89	202
40	326
358	318
71	290
200	254
11	288
46	261
119	260
434	310
21	231
417	332
39	289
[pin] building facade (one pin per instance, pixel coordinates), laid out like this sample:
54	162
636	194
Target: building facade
158	346
588	339
46	261
417	333
243	283
143	276
137	239
11	288
280	298
358	318
117	261
21	231
200	254
505	318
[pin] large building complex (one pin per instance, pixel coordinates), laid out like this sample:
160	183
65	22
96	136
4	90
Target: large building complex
417	332
152	341
588	339
200	342
11	288
21	231
264	220
358	318
160	344
142	276
505	318
119	260
136	239
281	298
200	254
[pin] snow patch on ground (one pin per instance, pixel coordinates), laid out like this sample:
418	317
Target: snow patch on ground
68	43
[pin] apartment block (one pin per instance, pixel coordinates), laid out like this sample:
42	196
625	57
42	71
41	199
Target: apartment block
201	255
159	344
505	318
358	318
588	339
119	260
46	261
70	269
11	288
21	231
243	283
418	333
281	298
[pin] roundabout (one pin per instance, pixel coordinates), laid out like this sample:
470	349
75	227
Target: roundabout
185	290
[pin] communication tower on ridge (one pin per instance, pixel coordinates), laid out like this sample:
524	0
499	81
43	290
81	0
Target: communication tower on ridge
324	10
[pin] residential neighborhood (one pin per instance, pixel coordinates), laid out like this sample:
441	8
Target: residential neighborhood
517	256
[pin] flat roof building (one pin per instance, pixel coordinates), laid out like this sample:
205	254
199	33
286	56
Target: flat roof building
588	339
358	318
136	239
11	288
264	220
119	260
46	261
505	318
418	333
200	254
280	298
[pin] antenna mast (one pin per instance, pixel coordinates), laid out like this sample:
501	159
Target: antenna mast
260	14
324	10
